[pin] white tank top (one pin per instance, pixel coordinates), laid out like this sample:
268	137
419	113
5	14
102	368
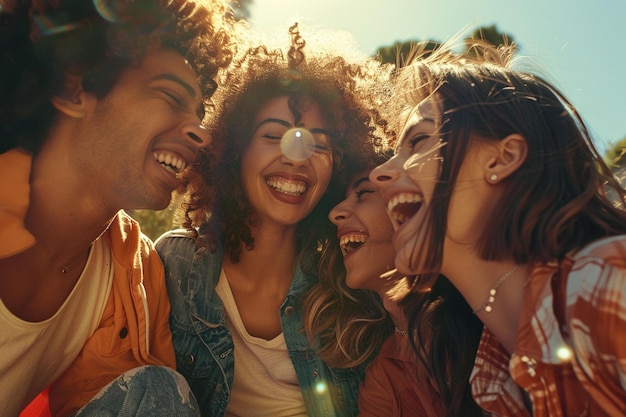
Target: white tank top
265	382
35	354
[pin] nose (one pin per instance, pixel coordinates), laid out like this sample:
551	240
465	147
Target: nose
293	162
383	175
339	214
197	134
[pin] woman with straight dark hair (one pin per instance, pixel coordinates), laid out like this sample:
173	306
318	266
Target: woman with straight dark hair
496	184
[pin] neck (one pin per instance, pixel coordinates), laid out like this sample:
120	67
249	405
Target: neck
503	318
390	295
63	218
271	260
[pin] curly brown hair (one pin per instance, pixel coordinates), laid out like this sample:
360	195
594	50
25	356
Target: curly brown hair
344	91
42	41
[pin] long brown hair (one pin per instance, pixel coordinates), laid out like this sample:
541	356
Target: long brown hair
561	198
558	200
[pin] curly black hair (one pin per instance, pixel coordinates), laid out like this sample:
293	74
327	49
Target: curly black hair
42	41
344	91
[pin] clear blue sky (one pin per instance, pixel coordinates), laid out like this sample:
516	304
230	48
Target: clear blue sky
580	45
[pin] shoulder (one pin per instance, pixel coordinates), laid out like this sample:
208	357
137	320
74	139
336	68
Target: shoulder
178	240
596	284
181	254
598	273
609	250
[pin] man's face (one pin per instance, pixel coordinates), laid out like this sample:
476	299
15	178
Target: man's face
143	133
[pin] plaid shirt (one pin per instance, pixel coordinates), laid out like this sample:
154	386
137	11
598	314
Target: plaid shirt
570	353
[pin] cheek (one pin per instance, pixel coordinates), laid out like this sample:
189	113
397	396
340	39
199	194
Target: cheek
323	167
379	224
424	172
467	215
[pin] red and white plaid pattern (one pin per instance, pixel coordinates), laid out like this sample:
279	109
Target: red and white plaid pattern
575	366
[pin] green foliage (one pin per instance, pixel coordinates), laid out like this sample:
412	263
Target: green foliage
402	52
154	223
490	34
241	8
615	156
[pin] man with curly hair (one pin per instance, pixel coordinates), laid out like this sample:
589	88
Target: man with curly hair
101	109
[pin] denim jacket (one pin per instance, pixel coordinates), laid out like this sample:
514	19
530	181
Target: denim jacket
204	345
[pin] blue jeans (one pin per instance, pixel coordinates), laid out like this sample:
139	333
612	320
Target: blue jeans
153	391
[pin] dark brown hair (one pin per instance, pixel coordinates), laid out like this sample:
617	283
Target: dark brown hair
42	41
340	87
556	202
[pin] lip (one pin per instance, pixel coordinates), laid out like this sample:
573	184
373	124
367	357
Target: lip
402	206
351	235
288	188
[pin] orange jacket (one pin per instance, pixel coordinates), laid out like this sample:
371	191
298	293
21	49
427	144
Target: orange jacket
134	329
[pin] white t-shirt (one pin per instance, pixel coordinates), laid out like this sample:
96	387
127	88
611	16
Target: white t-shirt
35	354
265	382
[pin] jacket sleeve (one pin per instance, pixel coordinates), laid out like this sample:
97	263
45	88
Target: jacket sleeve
376	398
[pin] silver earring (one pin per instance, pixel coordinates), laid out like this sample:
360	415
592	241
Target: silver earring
493	178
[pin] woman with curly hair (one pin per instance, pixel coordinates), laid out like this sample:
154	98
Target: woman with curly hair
287	125
101	108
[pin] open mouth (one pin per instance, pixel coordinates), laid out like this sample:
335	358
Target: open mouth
351	242
170	162
286	186
404	206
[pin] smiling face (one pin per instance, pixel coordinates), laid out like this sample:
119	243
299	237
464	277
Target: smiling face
281	189
143	133
407	182
364	233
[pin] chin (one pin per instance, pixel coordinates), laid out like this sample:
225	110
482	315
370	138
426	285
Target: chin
354	282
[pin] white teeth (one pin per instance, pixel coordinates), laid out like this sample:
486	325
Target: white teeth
286	186
401	216
403	199
170	162
352	238
350	242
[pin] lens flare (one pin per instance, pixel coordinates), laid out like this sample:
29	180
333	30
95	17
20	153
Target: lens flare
108	9
297	144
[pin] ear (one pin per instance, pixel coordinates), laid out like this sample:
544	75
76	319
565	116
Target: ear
511	152
73	100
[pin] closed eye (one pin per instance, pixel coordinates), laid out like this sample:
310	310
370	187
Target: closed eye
360	193
321	148
417	139
174	97
272	136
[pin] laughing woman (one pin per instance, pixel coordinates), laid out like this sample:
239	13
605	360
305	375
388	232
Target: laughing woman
496	184
284	126
397	382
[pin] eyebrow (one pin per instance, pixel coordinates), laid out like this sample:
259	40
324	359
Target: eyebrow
414	126
174	78
287	124
272	120
360	181
171	77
